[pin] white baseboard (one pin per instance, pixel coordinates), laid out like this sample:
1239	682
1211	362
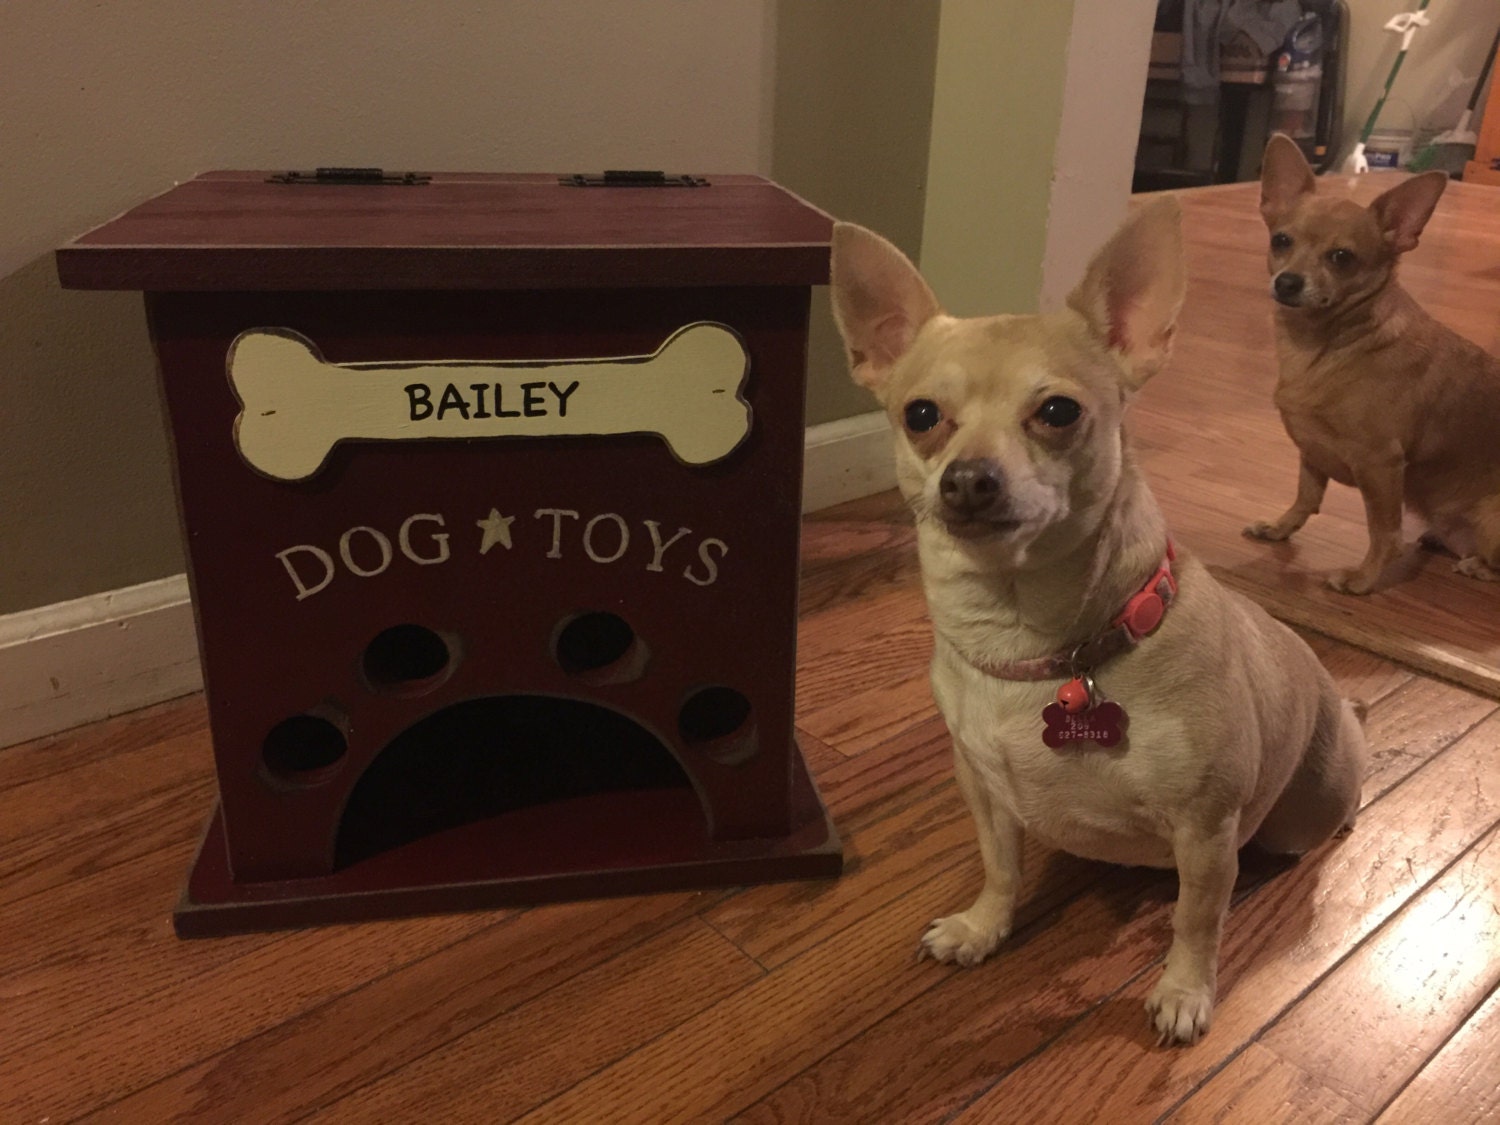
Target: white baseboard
76	662
847	459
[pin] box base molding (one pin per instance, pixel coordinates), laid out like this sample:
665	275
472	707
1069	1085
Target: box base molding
638	843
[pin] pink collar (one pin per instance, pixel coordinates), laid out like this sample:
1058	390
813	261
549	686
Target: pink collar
1139	619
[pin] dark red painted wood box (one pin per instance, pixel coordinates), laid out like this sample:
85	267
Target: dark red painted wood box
473	631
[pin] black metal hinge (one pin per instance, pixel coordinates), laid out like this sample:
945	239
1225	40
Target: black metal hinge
350	176
631	179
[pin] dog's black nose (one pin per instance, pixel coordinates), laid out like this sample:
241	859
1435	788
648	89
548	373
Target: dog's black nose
1288	286
972	488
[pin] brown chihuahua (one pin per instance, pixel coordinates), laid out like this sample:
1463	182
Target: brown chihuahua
1375	393
1034	529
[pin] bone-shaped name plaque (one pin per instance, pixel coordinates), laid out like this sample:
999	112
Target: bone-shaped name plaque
296	406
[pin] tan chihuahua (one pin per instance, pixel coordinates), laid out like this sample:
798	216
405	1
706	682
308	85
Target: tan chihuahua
1034	529
1374	392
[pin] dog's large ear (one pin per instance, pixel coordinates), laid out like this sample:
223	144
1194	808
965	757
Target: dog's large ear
1285	177
1133	289
1403	211
880	302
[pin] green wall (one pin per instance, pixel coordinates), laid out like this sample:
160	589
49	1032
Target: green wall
932	122
852	114
996	111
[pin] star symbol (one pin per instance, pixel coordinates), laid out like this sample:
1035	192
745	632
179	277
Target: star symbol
496	529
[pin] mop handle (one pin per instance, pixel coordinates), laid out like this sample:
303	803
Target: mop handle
1405	25
1484	71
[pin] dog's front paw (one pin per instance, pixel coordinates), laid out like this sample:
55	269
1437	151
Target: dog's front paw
1474	567
962	938
1180	1015
1268	532
1352	582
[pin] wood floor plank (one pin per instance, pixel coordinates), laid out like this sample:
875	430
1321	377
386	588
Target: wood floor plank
864	666
1461	1082
96	1057
1278	943
855	530
1402	993
519	1005
160	821
116	819
506	1068
851	529
819	756
877	508
939	1050
872	784
824	634
1360	675
856	551
93	945
860	720
725	1058
1258	1086
884	861
832	586
1411	724
710	1065
76	799
30	761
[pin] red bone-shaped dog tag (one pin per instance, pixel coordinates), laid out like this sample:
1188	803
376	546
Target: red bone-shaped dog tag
1104	724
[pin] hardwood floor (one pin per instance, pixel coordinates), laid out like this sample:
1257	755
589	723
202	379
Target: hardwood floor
1359	984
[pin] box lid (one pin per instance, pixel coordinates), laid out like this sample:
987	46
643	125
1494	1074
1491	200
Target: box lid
241	231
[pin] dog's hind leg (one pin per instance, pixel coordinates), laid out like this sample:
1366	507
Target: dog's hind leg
1181	1004
1472	566
1484	563
1432	541
968	938
1311	485
1323	794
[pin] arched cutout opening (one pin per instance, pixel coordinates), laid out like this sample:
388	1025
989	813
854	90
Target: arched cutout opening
487	757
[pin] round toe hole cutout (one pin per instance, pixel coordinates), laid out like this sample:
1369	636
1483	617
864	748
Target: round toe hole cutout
303	748
600	648
718	722
406	660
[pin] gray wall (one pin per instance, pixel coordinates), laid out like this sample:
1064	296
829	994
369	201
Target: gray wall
102	105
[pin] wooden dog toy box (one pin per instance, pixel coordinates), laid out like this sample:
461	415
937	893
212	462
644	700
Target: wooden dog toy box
490	487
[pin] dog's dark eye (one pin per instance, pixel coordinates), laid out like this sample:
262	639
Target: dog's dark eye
1340	258
922	414
1058	412
1281	241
